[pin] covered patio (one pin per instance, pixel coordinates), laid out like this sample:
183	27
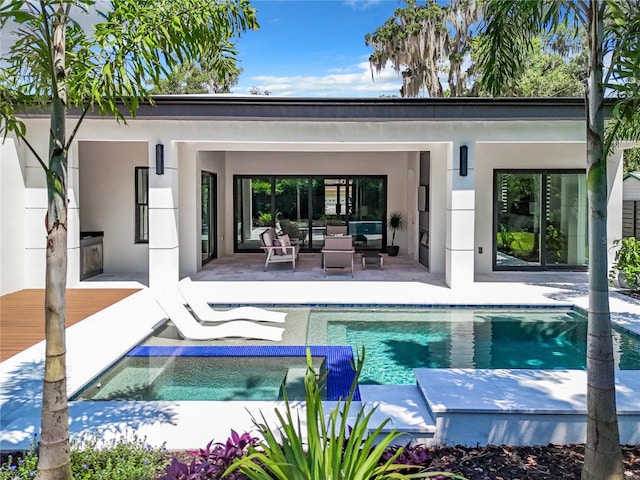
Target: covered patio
249	267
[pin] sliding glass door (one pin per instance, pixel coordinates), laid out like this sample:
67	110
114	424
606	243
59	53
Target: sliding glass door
540	220
309	208
208	220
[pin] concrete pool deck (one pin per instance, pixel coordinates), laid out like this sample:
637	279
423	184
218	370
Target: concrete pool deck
96	342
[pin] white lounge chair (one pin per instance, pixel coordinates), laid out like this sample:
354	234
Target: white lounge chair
205	313
190	329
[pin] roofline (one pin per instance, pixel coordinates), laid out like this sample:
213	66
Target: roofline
261	107
258	107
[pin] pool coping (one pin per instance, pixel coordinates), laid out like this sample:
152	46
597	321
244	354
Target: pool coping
519	391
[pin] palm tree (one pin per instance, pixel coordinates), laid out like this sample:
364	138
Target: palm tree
612	27
55	65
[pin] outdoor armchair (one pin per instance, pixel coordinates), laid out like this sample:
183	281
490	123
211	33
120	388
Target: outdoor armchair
338	253
278	249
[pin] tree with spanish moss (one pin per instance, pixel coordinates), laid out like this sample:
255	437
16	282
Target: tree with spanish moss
56	65
423	41
191	78
612	31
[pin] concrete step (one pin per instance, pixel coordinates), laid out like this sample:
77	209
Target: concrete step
403	405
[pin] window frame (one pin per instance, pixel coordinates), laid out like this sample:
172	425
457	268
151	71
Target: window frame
141	205
543	266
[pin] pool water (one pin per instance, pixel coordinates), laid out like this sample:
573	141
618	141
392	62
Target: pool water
397	341
200	378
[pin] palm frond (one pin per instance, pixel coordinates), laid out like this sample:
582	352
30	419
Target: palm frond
508	32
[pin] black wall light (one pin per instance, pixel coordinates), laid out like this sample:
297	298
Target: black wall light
159	159
464	150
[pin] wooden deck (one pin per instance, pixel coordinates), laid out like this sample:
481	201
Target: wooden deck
22	314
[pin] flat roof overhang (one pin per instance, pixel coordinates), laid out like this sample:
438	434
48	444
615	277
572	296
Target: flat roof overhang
230	107
354	109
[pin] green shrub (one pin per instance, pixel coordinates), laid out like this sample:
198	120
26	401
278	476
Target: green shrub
334	449
20	466
125	459
627	262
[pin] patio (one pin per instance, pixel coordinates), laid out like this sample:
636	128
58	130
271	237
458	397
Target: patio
250	267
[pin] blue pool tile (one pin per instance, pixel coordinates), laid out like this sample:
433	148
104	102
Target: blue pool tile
339	359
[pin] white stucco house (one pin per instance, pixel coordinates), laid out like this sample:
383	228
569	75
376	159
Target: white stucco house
484	184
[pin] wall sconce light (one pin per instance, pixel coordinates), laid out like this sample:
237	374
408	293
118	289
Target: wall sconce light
159	159
463	160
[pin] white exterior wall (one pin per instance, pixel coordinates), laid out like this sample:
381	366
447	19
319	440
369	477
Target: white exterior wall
12	219
107	201
35	239
191	165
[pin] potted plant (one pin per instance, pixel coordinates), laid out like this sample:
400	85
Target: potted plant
626	269
396	222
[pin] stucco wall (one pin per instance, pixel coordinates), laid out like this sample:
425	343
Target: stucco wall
191	165
12	215
107	201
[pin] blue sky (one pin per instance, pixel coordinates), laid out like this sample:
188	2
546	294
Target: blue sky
315	48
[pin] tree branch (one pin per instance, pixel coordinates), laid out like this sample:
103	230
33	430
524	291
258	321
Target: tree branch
85	110
35	154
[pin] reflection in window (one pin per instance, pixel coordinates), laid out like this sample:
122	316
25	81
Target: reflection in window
541	220
306	207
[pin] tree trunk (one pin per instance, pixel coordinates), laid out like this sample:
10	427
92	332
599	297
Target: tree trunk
53	458
603	456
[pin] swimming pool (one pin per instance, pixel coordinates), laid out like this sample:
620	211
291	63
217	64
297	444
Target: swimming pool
399	340
396	339
207	372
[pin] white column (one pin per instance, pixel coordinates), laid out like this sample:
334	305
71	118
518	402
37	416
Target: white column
164	258
614	205
73	216
35	204
460	213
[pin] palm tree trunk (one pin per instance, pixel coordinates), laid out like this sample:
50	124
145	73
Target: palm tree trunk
603	457
53	459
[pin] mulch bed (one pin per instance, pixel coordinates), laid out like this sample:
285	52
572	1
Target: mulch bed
520	463
501	462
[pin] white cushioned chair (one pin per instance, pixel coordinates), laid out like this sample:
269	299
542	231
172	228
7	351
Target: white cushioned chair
338	253
278	249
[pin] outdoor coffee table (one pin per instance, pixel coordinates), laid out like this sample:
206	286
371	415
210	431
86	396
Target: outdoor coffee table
371	257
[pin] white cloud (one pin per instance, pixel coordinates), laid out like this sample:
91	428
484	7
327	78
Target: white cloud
361	4
356	81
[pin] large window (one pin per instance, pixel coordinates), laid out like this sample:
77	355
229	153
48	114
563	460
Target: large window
303	208
142	205
540	220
